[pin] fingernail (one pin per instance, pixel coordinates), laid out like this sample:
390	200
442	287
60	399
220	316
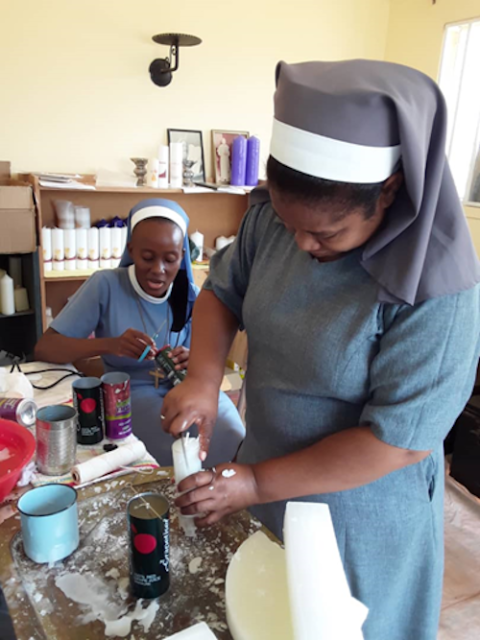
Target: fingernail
203	456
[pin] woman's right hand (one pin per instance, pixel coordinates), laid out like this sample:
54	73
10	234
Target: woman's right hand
131	344
191	402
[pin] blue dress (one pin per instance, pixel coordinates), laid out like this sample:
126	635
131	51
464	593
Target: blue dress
108	305
324	355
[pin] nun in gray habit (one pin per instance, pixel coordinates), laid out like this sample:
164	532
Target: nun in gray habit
355	278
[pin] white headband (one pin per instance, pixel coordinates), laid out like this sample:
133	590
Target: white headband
159	212
323	157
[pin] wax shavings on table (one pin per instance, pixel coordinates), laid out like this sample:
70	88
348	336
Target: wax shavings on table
103	557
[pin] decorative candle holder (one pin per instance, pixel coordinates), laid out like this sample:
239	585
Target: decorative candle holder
140	170
188	173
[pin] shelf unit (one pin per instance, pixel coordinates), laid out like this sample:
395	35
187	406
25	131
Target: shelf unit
214	214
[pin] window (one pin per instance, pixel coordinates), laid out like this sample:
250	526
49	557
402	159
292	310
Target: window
460	82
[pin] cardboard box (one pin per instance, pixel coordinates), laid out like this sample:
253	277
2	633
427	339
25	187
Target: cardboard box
17	220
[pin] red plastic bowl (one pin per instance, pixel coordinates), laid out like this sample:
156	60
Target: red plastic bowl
21	446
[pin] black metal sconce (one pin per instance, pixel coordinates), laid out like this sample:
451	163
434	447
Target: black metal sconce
161	69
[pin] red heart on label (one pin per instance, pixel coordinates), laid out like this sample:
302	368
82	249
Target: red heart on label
144	543
88	405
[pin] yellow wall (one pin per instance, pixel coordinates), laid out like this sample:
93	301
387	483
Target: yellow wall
415	38
75	89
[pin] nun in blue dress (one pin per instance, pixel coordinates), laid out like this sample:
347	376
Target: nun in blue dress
122	310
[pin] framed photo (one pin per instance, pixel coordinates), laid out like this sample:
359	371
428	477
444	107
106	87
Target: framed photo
192	149
222	153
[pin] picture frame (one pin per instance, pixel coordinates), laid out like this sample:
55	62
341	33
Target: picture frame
192	140
222	153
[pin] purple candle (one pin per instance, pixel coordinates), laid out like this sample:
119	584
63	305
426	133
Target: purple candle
239	161
253	161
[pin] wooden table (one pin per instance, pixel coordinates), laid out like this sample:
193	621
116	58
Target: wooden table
40	610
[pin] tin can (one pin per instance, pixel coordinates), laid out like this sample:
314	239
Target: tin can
88	403
118	405
19	410
149	529
56	434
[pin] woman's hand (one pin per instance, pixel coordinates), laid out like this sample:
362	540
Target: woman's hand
216	493
131	344
192	402
180	355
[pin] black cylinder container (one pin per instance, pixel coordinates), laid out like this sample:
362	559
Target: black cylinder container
88	403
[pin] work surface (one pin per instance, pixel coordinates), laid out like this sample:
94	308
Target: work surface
40	609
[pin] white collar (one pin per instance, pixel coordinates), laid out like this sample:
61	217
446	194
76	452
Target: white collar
143	294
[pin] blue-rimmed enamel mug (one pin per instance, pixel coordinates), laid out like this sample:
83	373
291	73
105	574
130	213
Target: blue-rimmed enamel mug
49	519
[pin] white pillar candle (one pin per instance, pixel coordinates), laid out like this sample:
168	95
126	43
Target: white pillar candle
105	247
116	246
124	231
47	248
176	164
93	248
15	270
21	299
186	461
7	295
81	237
57	247
69	249
163	155
153	166
197	238
221	242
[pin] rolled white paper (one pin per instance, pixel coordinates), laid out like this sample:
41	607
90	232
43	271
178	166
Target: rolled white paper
15	270
153	166
199	631
106	463
21	299
70	249
163	155
117	249
93	248
47	248
81	237
176	164
7	295
105	247
186	461
198	239
58	251
82	217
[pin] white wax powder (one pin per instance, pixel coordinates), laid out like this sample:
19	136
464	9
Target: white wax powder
229	473
4	454
194	565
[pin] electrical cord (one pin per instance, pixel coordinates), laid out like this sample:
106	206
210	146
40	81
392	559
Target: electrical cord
69	372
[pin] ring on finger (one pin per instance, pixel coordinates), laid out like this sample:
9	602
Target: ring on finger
162	417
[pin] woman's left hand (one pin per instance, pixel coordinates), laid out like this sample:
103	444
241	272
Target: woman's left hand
180	356
215	493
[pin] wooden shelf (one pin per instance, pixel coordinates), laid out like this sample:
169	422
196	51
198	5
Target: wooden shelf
68	276
17	314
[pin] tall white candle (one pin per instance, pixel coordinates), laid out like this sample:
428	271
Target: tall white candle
82	248
2	273
47	248
7	295
58	251
105	247
21	299
186	461
116	246
176	164
69	249
197	238
163	156
15	270
93	248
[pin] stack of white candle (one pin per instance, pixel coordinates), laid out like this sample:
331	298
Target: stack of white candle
80	249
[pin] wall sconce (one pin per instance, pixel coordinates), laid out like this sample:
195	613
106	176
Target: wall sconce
161	69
